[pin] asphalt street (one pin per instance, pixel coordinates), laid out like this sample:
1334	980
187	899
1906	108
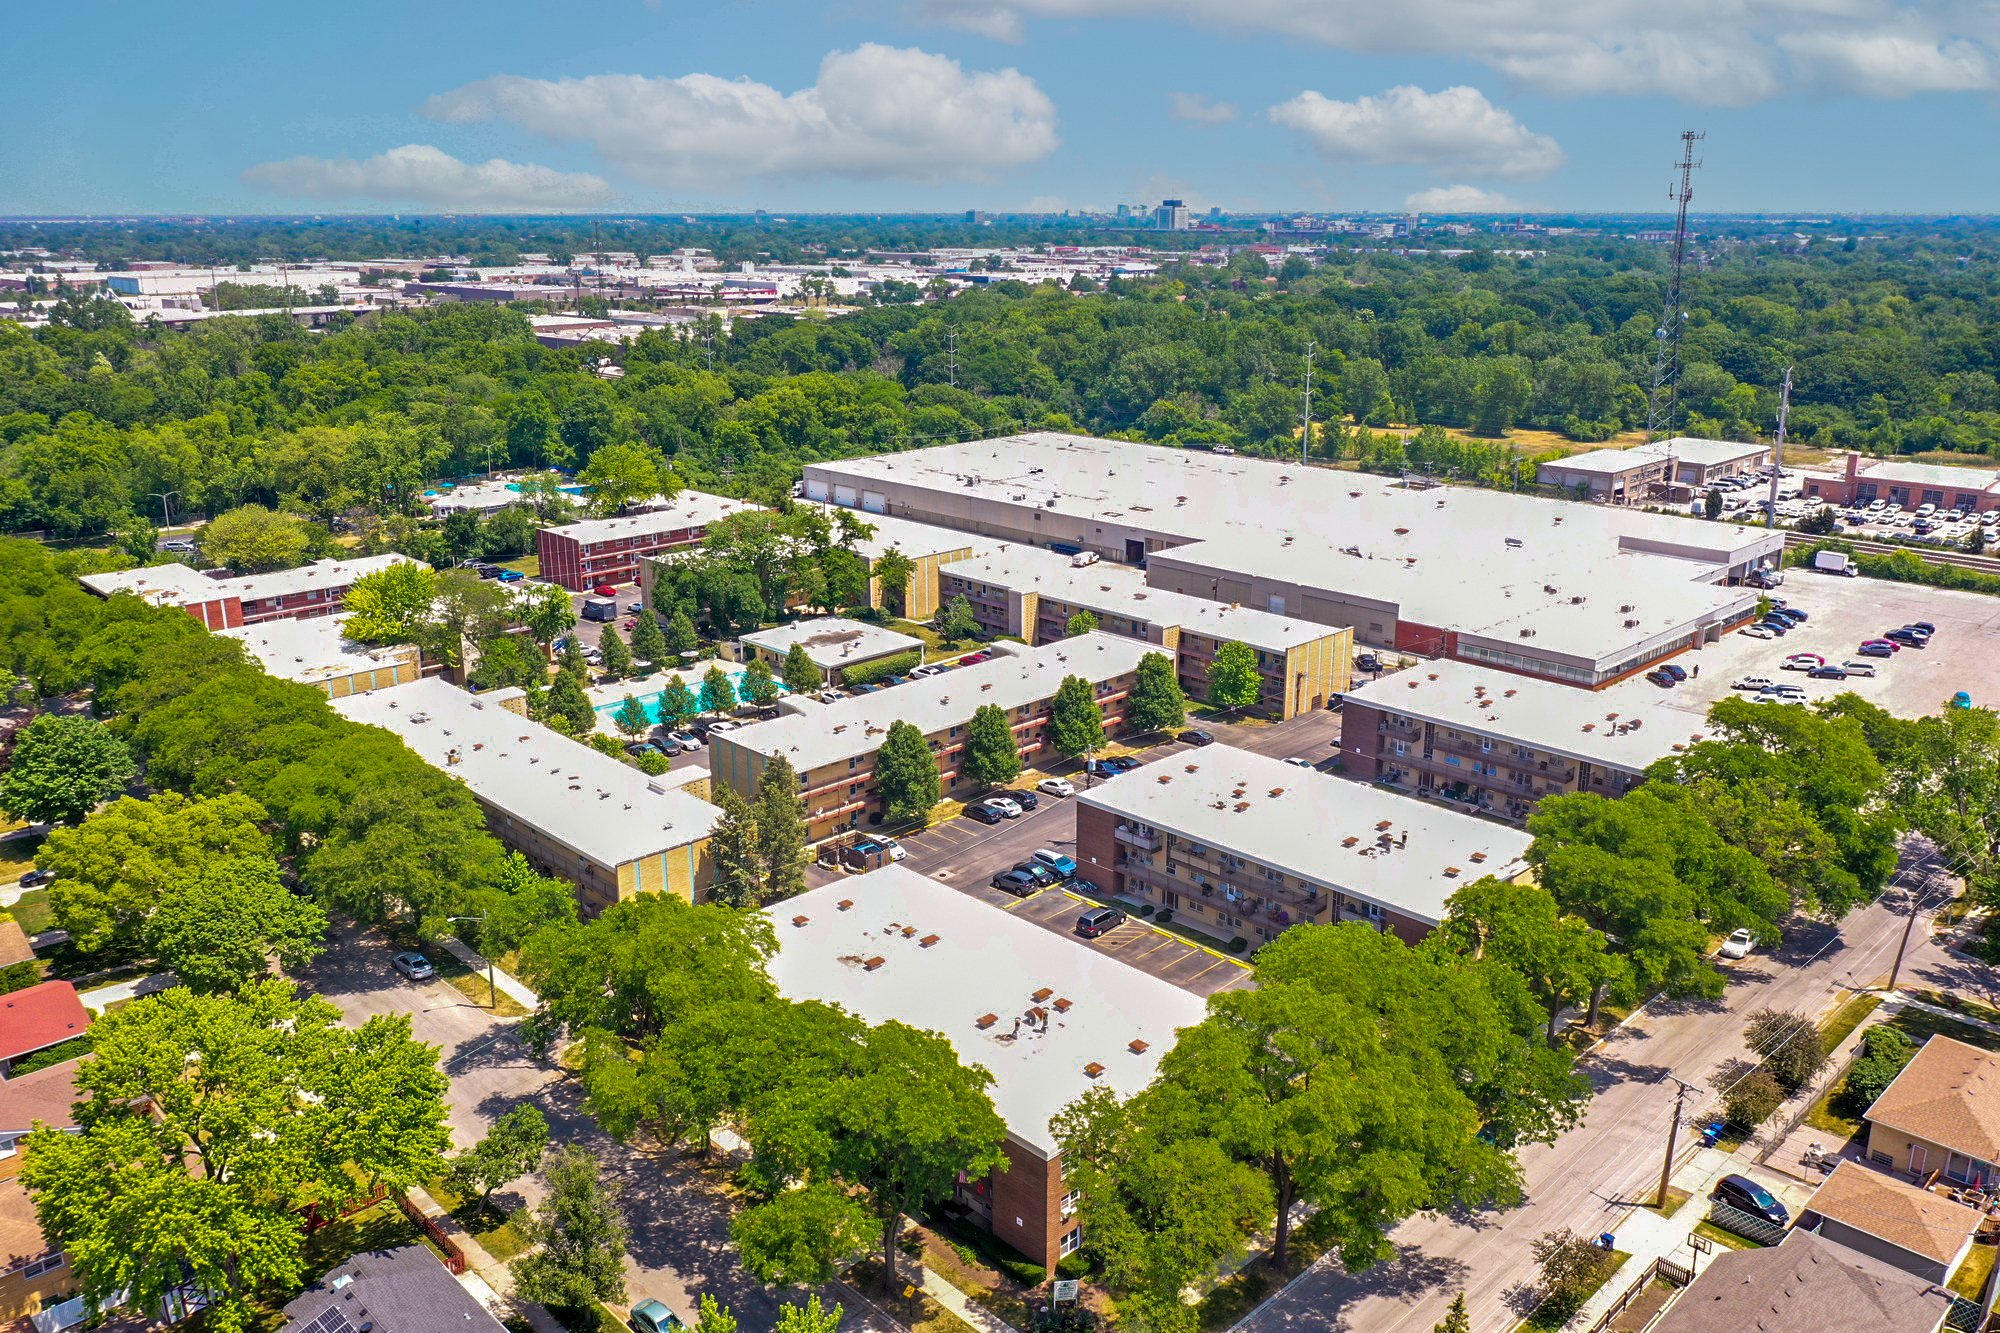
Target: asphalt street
1592	1175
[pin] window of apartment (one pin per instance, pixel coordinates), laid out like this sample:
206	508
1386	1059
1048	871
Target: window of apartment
7	1146
853	763
48	1263
1070	1201
1073	1238
854	788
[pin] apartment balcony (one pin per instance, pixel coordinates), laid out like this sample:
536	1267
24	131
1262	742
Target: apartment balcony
1146	840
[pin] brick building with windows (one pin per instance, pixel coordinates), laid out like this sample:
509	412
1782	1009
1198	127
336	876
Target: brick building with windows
580	556
1499	743
317	589
1861	482
1049	1017
832	746
1240	845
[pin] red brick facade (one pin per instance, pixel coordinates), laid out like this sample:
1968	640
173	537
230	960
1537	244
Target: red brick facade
1027	1202
580	567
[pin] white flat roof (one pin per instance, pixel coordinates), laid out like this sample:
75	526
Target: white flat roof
1925	474
314	650
1300	821
915	540
832	641
1681	448
983	961
1554	719
1107	586
689	509
607	810
1016	675
172	585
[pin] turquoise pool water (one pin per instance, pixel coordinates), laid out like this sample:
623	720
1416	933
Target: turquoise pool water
608	699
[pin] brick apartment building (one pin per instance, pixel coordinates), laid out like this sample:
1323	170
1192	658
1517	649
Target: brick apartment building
317	589
580	556
1975	490
1239	845
832	746
1049	1017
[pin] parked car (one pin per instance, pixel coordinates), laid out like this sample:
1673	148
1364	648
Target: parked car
985	814
1099	768
1017	882
34	877
1754	683
1909	638
931	669
1661	679
1878	648
1368	662
605	590
973	659
1757	632
511	576
687	740
1679	673
1738	944
723	724
1858	668
635	608
1065	867
489	571
1123	763
1828	672
1743	1193
1056	787
893	848
1297	761
1009	809
653	1317
414	966
1027	800
1098	920
1198	737
1791	613
1803	661
1044	876
1923	625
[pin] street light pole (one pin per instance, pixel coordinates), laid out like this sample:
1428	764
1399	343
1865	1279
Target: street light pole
166	510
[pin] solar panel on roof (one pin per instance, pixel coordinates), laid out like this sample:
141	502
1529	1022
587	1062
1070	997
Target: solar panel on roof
330	1320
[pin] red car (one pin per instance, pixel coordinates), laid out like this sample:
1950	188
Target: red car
972	659
605	590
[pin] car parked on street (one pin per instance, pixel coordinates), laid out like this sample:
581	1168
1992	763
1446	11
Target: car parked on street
653	1317
1056	787
1738	944
1746	1195
1017	882
414	966
1099	920
34	877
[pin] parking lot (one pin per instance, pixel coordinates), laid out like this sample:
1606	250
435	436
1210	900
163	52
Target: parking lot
1160	953
1843	612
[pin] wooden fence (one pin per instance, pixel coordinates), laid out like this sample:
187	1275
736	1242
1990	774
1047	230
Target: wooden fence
454	1258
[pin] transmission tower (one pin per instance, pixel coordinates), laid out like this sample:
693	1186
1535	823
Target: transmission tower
1663	406
1306	430
951	354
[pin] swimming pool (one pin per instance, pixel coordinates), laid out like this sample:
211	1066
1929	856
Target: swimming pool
608	699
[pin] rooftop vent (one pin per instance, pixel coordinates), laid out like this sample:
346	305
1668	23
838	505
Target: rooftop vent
927	941
985	1021
1063	1006
1137	1047
1478	856
1041	995
1094	1070
1349	842
1451	872
1402	532
1626	607
873	963
1630	623
844	904
800	920
1514	542
1576	601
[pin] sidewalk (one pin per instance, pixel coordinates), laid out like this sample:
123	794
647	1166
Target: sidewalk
509	987
954	1300
97	1001
1646	1236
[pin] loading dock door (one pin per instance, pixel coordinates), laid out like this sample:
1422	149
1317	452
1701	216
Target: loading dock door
1135	552
875	502
843	495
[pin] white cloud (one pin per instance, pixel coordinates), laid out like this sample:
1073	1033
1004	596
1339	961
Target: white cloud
1197	108
1721	52
419	173
1462	199
876	113
1456	131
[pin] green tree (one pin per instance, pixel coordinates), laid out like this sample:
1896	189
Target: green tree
717	694
801	675
570	661
802	1236
1565	962
510	532
218	927
518	902
581	1238
760	687
117	867
677	702
1572	1268
1083	622
990	757
713	1318
251	539
681	638
390	605
512	1148
732	845
546	610
616	659
1156	702
620	474
906	773
293	1106
781	830
1455	1320
409	853
808	1318
1233	679
631	718
1711	505
62	768
649	644
569	708
955	622
1792	1047
1076	723
894	570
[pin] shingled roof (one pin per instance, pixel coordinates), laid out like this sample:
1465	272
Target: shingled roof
1948	1095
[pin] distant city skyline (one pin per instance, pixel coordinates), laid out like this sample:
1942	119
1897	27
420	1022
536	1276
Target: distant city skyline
636	106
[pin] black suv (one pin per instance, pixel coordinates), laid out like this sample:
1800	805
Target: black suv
1746	1195
1043	875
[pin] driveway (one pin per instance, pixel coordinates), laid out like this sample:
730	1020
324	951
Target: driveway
680	1242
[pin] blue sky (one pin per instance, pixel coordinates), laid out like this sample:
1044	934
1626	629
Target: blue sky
892	105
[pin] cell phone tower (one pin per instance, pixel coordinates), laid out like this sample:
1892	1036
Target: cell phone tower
1663	405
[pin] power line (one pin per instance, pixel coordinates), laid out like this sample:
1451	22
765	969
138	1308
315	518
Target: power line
1663	405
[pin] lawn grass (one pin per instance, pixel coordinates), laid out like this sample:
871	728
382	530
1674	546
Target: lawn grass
1541	1322
935	648
17	858
1726	1239
492	1228
1675	1198
472	985
1970	1279
1920	1025
917	1312
1841	1024
529	565
1959	1004
1822	1117
33	913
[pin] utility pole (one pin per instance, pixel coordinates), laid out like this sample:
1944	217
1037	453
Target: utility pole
951	354
1778	454
1673	1133
1306	425
166	510
1663	405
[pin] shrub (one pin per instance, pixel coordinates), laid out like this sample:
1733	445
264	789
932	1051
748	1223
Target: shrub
1145	909
1884	1052
870	672
1073	1266
1756	1096
1166	914
18	976
1792	1047
1238	945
